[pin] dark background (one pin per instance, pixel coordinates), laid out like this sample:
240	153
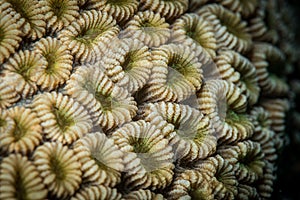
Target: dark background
287	186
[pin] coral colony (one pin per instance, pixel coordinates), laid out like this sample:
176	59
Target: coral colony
149	99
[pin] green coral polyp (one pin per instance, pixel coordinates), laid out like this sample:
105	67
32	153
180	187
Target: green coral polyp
178	72
2	122
251	163
230	28
107	102
62	119
128	63
57	168
197	194
192	31
24	71
232	117
139	145
59	7
50	57
199	136
192	34
19	131
20	6
175	62
146	24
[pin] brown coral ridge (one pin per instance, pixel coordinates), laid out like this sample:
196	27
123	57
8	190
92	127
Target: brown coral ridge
191	28
237	69
21	131
89	35
109	105
63	119
167	9
191	135
22	71
176	74
148	27
30	16
10	32
101	160
230	30
226	106
268	61
148	155
128	64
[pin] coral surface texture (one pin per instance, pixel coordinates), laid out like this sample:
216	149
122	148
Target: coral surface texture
145	99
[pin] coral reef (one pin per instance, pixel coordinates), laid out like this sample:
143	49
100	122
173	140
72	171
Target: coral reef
145	99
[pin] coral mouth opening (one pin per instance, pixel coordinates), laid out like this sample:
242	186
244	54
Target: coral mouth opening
233	117
59	7
50	57
57	168
18	132
107	102
24	71
176	64
191	31
142	149
139	145
63	121
177	70
127	65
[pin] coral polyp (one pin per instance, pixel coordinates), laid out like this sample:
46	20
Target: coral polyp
146	99
21	131
30	15
60	13
89	35
10	33
101	159
20	179
59	168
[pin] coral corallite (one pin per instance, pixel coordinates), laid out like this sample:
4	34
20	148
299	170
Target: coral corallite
115	99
